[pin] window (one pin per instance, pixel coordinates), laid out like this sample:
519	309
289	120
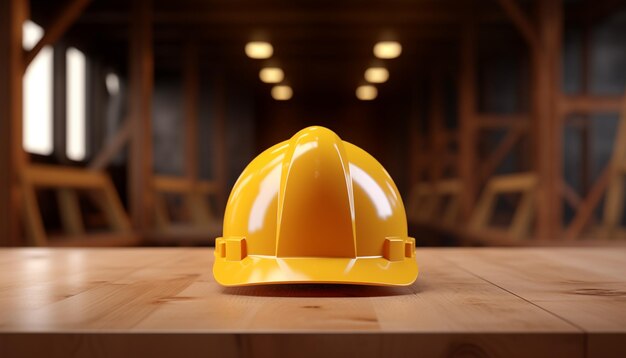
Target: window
76	99
37	105
112	82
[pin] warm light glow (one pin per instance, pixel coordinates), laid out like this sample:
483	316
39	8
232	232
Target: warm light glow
32	33
366	92
37	93
75	102
259	49
282	93
387	49
113	84
376	75
271	75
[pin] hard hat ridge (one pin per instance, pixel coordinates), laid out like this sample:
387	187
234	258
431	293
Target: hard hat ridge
316	202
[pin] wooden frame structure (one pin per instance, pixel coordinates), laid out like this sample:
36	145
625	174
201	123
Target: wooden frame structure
436	202
204	225
525	184
610	182
22	178
542	31
66	182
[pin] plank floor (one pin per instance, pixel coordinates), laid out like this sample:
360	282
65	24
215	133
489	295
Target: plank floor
538	302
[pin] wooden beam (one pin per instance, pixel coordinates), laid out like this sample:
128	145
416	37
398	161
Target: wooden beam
588	205
55	176
172	184
207	187
219	140
499	121
513	182
190	99
430	13
571	196
521	21
109	202
12	156
547	123
437	126
141	87
589	104
497	155
415	136
523	183
32	216
69	211
467	120
66	17
196	204
113	146
585	130
614	201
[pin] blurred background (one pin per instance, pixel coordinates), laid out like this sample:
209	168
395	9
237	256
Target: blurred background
502	122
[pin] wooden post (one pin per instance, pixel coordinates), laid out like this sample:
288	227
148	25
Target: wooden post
521	21
196	202
614	199
113	146
467	118
220	141
415	137
547	127
12	156
141	83
438	132
190	103
585	135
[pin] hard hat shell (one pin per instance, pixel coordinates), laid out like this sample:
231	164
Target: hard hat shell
315	209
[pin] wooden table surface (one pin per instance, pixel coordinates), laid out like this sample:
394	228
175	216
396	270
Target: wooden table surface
532	302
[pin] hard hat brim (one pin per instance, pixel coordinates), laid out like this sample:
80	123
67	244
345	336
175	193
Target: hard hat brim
258	270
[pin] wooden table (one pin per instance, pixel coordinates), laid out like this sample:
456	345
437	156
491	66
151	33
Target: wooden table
563	302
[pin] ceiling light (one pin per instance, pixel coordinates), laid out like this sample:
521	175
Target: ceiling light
387	49
366	92
376	75
271	75
259	49
282	92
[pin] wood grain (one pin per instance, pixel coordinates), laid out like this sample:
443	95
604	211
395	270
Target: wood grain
164	302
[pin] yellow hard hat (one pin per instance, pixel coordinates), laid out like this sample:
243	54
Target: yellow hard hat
315	209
